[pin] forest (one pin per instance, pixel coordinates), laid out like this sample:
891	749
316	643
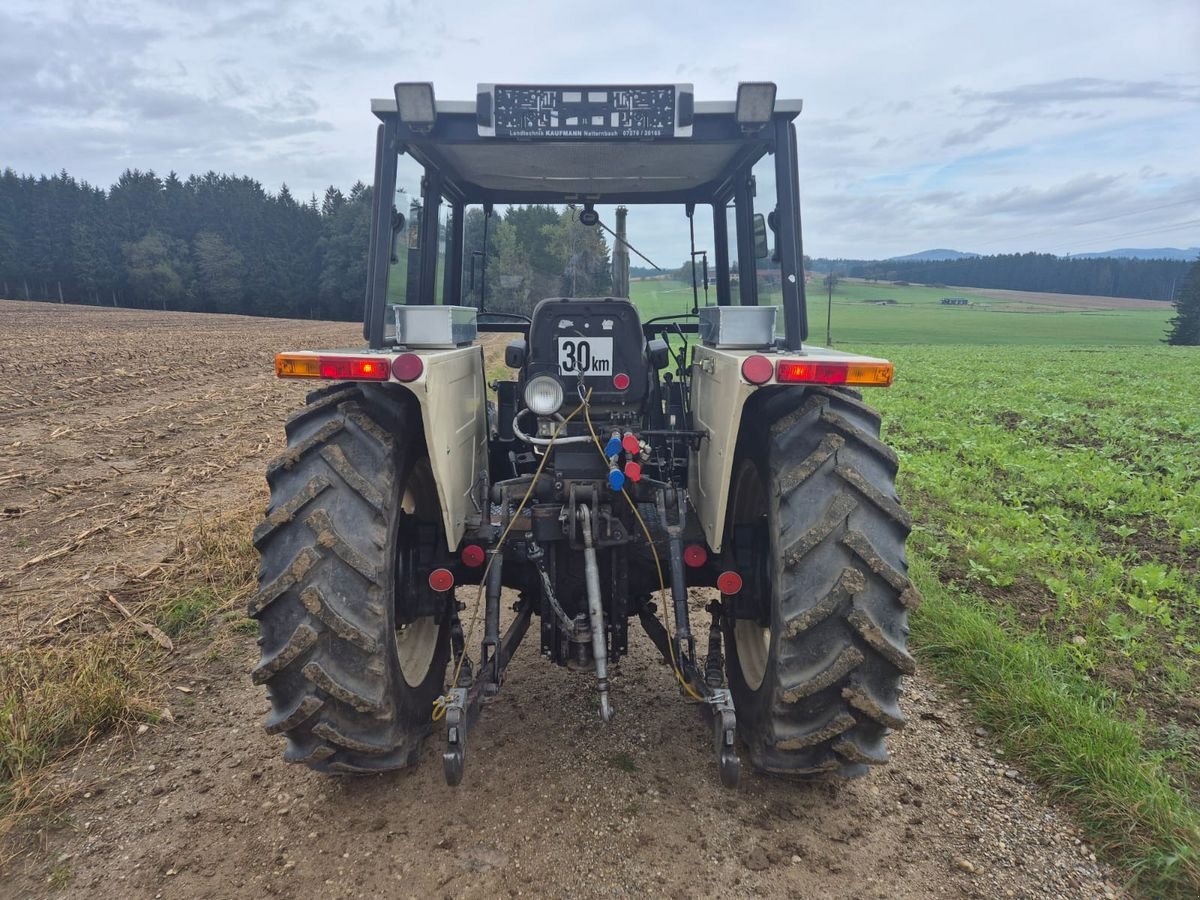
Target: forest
221	243
1146	279
212	243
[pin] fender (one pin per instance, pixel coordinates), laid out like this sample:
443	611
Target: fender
451	394
719	395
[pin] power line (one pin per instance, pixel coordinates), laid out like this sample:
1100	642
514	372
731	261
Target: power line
1191	201
1140	232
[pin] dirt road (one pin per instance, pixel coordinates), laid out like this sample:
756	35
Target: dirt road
172	417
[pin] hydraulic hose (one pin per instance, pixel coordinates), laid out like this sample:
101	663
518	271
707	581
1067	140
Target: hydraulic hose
545	442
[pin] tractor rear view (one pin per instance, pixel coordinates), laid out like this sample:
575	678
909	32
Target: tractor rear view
633	453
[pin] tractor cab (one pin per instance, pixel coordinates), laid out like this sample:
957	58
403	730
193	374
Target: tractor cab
564	167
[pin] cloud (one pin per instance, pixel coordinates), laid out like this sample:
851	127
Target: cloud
977	132
65	66
1067	91
1095	189
904	144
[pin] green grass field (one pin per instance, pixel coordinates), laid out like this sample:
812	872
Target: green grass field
1058	508
1051	457
918	317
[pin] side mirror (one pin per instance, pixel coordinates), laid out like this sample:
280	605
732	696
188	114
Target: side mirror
761	248
398	224
773	224
515	353
659	352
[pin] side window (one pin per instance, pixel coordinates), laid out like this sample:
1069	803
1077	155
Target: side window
731	230
406	250
767	271
473	256
445	224
404	270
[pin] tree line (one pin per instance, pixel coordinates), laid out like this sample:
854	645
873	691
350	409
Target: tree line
211	243
221	243
532	252
1147	279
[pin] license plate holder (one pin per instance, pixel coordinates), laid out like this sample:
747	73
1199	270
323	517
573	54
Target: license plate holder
587	356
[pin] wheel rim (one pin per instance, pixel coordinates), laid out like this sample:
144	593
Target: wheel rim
753	645
416	642
749	504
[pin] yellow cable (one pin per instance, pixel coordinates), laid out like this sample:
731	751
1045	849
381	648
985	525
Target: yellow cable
662	585
439	705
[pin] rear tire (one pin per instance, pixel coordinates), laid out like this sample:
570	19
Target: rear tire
350	689
819	688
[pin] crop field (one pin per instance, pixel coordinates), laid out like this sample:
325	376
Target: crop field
915	315
1058	496
1050	454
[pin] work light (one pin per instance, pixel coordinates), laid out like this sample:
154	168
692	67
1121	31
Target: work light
543	395
414	103
755	104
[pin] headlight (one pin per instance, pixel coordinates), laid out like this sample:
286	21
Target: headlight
543	395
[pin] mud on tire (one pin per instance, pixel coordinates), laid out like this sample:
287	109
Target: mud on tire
349	690
818	690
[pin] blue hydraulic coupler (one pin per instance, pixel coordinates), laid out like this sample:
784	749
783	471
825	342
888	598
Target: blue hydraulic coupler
616	479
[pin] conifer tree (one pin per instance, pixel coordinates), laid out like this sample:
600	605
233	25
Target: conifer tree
1185	327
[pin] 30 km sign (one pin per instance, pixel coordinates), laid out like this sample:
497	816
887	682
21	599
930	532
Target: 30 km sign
585	356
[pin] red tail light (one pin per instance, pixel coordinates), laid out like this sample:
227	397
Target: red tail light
473	556
694	555
790	371
351	369
729	582
441	579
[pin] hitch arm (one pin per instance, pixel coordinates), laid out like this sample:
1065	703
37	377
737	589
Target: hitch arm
465	704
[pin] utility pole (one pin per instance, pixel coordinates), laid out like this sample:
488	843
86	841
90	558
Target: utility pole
620	257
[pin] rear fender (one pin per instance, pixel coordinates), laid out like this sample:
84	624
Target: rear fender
719	395
722	399
451	392
451	396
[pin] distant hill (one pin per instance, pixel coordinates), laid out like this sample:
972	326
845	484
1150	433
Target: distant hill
939	255
1141	253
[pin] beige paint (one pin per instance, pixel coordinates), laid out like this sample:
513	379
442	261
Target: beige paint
719	395
453	399
452	395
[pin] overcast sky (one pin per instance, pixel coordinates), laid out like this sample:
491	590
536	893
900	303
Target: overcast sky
989	127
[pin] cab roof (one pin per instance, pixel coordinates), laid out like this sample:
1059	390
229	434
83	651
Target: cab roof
479	169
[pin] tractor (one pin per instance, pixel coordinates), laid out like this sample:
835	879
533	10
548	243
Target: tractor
632	453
